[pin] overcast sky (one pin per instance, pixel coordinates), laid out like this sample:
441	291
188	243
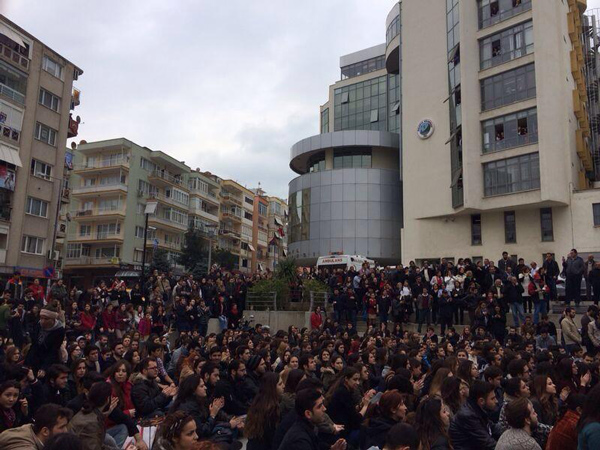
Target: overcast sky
228	86
225	85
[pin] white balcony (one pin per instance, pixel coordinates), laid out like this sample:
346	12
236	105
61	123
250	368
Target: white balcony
100	189
162	222
89	215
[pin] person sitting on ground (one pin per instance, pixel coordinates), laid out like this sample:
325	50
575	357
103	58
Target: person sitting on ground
522	419
149	398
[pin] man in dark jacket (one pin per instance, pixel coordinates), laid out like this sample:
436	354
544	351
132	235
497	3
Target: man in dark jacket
594	282
302	435
255	368
512	296
507	262
574	268
231	389
471	428
552	271
53	390
46	339
148	397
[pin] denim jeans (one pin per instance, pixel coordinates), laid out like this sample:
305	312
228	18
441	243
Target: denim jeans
517	313
539	308
117	434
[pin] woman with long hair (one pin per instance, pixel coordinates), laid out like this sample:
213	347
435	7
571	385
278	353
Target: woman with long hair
329	374
342	406
544	399
454	392
75	382
467	371
380	418
118	376
176	432
431	423
436	383
289	392
209	417
88	423
263	414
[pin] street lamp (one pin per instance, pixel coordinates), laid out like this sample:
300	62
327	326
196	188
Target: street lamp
150	209
210	233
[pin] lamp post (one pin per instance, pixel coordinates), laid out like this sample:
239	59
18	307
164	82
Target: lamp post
210	233
150	209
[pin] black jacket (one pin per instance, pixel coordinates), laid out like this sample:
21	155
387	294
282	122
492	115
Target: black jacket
148	398
375	433
45	347
235	402
302	436
342	410
471	429
205	425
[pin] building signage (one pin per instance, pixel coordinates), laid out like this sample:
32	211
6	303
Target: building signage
425	129
332	260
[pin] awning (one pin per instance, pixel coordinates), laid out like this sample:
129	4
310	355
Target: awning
11	35
277	221
10	155
127	274
252	249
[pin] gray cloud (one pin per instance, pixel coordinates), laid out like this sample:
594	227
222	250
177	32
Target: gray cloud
227	86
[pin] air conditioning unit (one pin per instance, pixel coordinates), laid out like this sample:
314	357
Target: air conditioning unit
53	255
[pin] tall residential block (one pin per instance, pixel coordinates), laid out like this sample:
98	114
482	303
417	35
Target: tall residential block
37	97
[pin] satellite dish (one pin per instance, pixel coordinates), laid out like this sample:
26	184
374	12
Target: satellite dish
78	120
83	141
74	145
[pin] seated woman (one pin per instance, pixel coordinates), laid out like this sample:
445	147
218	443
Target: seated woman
432	422
13	412
176	432
88	424
382	417
211	422
264	414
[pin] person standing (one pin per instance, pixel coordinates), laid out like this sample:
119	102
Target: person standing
574	268
590	263
593	281
47	338
552	271
569	330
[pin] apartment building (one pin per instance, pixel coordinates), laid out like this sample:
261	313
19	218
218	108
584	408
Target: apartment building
37	98
277	218
499	149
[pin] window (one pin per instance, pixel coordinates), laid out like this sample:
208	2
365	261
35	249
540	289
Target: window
546	224
374	115
353	105
363	67
476	229
40	169
111	204
244	263
494	11
108	229
36	207
351	159
147	165
508	87
510	131
140	208
49	100
247	215
393	30
108	252
249	200
596	211
13	83
33	245
52	67
325	121
506	45
45	134
85	230
74	251
244	246
262	209
178	195
512	175
139	232
138	255
299	215
316	164
510	227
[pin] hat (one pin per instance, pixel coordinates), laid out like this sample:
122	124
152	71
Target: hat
253	362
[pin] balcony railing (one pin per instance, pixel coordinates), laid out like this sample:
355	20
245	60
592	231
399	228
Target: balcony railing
90	261
99	212
231	198
164	198
99	189
101	164
102	235
14	56
167	177
11	93
168	222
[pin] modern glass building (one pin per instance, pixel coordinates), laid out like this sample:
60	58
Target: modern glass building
348	195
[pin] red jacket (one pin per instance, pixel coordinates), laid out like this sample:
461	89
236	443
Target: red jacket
38	292
109	319
145	327
88	321
316	320
563	436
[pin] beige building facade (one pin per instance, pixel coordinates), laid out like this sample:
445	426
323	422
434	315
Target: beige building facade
37	98
497	146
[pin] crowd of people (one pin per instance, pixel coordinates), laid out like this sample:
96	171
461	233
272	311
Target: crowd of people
114	366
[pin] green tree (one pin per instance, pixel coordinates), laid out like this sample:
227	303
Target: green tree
286	270
194	252
224	258
160	261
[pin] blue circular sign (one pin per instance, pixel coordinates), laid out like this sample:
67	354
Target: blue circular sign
425	129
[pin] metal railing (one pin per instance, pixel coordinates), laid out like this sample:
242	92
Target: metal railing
121	161
16	57
318	299
168	177
11	93
261	301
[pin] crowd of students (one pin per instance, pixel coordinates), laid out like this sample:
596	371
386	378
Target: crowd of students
110	367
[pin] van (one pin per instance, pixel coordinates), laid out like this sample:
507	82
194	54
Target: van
345	262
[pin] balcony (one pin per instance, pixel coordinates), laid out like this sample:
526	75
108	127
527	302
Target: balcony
65	196
162	223
61	229
89	261
10	134
95	236
86	191
73	127
234	214
209	197
165	179
2	256
102	166
228	197
14	57
166	245
12	94
229	232
169	201
204	214
91	215
5	212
